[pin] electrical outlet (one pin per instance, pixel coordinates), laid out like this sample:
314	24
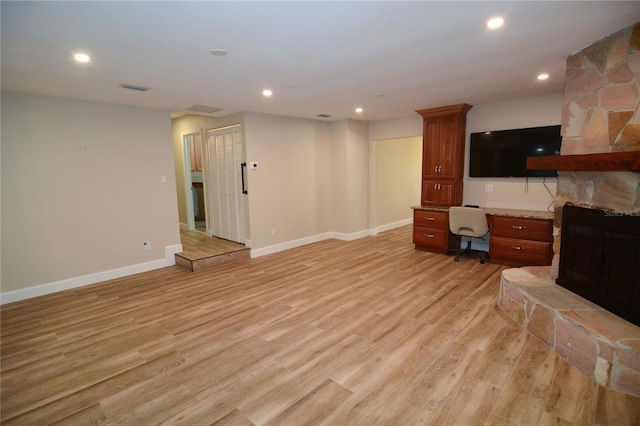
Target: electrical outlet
254	165
273	232
488	187
147	245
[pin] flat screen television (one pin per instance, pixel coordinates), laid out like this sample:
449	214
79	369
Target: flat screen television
504	153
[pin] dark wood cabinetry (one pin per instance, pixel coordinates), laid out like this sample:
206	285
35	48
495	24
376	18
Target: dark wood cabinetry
519	241
431	231
515	241
443	154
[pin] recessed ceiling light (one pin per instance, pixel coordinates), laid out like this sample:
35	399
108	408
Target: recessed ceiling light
82	57
267	93
358	110
494	23
543	76
218	52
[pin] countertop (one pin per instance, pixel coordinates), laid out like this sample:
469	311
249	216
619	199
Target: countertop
492	211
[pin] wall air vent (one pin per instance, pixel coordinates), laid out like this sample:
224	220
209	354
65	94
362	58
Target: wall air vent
324	115
134	87
204	109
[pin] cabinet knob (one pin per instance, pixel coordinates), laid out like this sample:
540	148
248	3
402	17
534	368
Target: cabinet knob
430	218
428	235
517	248
519	227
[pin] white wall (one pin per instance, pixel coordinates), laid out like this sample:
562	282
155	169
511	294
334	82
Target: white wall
82	191
512	192
290	193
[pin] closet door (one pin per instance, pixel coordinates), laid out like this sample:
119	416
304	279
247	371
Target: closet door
225	155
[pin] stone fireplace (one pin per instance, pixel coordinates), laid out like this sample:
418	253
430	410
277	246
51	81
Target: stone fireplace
600	125
601	115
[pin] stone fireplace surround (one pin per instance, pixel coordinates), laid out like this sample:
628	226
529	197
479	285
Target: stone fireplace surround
600	115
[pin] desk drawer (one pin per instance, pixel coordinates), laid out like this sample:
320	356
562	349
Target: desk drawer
516	251
430	237
521	228
430	219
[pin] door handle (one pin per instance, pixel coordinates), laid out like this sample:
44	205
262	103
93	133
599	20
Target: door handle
243	166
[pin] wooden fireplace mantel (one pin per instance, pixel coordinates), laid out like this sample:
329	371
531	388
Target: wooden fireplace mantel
609	161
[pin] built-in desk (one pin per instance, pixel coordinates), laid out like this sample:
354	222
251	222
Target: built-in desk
517	237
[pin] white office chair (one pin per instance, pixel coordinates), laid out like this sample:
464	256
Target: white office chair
470	222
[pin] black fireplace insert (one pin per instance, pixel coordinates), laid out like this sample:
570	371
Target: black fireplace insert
600	258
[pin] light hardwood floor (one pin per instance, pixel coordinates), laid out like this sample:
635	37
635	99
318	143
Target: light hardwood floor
334	333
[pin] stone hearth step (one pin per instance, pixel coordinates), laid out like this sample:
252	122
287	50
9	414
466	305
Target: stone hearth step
602	345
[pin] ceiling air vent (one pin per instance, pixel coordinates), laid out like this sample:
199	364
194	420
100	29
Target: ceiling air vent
134	87
204	109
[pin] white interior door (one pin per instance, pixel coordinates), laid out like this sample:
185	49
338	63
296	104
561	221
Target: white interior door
225	155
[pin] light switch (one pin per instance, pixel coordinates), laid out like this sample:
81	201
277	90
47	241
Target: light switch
163	179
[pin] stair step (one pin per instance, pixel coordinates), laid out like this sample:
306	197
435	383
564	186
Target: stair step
201	264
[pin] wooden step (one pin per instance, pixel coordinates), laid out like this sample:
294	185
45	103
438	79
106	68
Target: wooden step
201	264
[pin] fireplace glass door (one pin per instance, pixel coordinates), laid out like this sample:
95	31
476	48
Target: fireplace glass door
599	258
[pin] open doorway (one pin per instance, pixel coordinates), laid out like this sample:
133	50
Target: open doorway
196	161
195	190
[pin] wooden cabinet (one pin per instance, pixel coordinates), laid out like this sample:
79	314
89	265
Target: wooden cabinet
431	231
195	152
443	143
521	241
439	192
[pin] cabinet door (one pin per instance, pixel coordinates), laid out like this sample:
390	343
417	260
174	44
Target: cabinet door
448	147
438	193
429	193
445	194
430	148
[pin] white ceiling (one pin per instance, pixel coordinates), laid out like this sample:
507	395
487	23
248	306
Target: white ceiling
388	57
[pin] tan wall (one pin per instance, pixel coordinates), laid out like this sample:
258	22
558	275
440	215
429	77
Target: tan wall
398	164
290	193
81	189
350	176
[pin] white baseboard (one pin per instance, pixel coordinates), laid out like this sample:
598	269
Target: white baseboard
289	245
41	290
393	225
308	240
169	260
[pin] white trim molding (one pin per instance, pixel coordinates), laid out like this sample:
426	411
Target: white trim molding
390	226
43	289
308	240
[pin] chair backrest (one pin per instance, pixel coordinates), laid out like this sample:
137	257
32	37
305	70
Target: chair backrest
468	221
